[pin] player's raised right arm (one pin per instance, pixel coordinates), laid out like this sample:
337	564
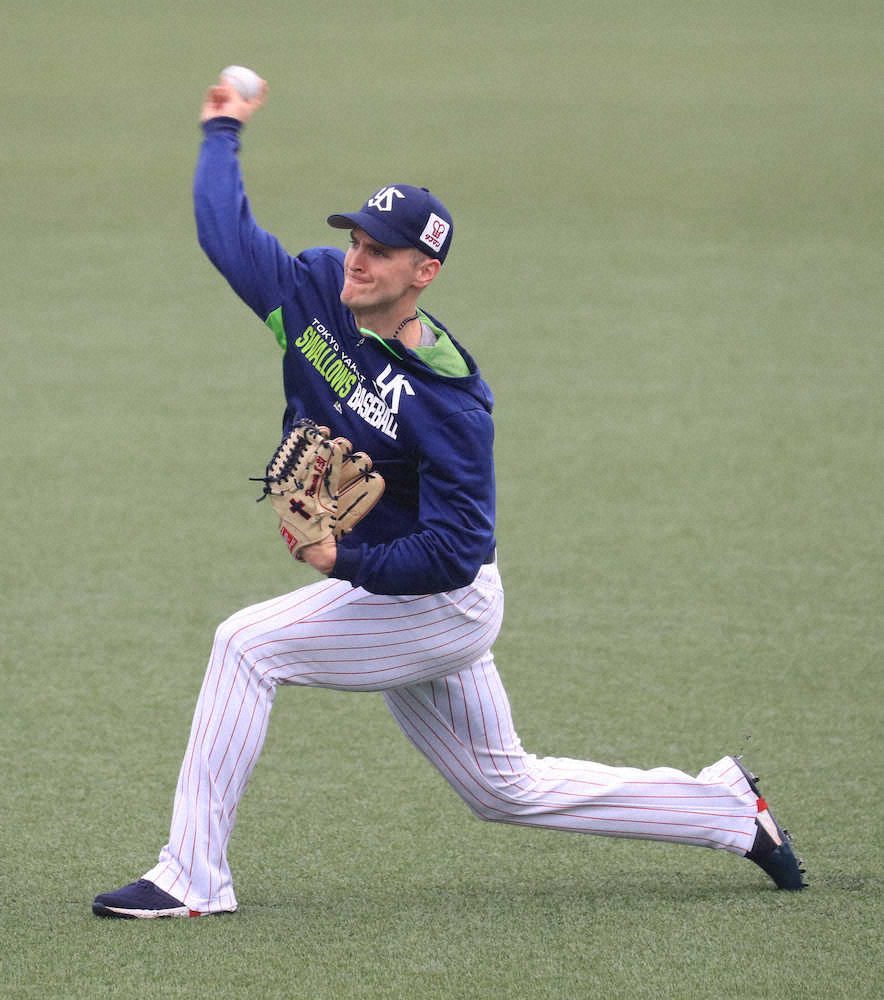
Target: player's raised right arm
251	259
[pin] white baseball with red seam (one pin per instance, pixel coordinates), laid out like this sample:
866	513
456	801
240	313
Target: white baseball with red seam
245	81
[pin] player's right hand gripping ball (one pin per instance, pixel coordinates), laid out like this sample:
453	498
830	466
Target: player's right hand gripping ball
318	486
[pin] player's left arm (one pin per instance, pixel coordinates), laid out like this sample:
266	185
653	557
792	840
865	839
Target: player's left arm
456	525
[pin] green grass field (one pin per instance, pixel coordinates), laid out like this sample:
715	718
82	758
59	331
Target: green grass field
668	262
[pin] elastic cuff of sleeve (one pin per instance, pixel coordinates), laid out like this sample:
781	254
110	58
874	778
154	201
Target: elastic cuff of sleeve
347	564
221	124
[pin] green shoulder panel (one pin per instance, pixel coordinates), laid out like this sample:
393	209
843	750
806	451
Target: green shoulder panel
274	321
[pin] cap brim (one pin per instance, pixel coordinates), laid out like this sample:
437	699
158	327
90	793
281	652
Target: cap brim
342	221
375	227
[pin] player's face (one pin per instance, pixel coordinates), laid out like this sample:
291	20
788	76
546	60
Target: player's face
376	276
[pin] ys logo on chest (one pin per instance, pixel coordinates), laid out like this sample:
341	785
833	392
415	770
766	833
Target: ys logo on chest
392	387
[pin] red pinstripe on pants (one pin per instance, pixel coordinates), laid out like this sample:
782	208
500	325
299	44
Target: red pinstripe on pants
430	656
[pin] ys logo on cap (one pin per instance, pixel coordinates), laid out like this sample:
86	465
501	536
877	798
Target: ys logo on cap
383	199
435	232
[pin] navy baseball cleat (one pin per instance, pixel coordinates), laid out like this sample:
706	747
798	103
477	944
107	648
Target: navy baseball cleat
772	849
141	899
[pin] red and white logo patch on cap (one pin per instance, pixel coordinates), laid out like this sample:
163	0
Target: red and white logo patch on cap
435	232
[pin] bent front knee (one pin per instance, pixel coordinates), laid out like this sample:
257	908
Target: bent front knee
496	802
234	642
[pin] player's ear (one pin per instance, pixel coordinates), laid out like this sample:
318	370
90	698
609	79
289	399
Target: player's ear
425	270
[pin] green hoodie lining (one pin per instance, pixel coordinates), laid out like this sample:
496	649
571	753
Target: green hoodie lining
442	357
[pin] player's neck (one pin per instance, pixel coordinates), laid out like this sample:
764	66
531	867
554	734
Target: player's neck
402	324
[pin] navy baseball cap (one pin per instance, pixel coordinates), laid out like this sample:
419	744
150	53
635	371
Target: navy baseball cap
400	215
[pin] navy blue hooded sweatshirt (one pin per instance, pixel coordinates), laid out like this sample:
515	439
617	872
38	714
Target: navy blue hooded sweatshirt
430	435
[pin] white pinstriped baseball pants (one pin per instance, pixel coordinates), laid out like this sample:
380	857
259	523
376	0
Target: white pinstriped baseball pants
430	656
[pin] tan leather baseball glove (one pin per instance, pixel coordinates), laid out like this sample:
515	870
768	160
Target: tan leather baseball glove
318	486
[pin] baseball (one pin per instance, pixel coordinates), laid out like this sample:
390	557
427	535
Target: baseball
246	81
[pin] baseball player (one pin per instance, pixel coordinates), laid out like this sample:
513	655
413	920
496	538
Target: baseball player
410	602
